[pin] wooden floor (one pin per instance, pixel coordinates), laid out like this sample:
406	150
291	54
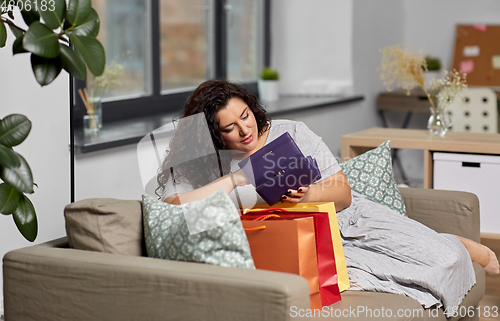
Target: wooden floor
492	282
491	300
490	308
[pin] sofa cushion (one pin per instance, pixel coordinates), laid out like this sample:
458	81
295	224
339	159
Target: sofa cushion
105	225
371	174
169	235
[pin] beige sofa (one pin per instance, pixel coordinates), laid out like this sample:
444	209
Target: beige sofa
54	282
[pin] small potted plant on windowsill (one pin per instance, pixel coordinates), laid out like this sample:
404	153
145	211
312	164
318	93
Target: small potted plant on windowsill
268	85
433	69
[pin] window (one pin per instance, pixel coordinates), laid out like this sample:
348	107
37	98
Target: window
168	47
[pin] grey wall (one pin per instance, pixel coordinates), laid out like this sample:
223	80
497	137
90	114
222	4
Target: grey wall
45	149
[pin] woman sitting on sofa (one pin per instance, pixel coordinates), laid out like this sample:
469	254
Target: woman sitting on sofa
384	250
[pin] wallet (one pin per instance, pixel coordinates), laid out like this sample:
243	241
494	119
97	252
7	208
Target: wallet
279	166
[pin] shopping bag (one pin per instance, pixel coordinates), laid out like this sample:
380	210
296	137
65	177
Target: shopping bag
327	274
287	245
343	278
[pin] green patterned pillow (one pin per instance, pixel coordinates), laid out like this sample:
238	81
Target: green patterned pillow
371	174
168	236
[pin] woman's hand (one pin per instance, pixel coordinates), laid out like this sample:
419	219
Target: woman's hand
239	178
296	196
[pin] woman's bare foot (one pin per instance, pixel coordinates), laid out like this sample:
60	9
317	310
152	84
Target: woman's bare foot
492	267
481	254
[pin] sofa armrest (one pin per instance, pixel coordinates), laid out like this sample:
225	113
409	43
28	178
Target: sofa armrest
47	282
450	212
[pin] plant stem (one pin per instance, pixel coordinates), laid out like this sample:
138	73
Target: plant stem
429	98
10	23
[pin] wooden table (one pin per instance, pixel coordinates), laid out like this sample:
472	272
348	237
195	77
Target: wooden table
476	143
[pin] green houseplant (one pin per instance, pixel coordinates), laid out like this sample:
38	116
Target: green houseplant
269	74
268	85
59	36
433	63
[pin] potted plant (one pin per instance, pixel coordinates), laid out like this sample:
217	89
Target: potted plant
433	68
59	36
268	85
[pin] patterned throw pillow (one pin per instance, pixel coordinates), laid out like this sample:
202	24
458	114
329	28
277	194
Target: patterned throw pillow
167	234
371	174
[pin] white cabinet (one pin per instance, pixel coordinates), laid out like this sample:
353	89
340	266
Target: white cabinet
478	174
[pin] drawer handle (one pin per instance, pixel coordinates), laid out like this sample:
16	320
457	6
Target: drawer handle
471	164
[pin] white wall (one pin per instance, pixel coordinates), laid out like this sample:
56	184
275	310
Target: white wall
373	27
435	35
46	148
309	38
112	173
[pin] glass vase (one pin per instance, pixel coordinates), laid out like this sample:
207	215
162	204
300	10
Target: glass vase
90	124
439	122
97	106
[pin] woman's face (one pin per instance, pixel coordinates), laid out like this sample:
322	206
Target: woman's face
238	126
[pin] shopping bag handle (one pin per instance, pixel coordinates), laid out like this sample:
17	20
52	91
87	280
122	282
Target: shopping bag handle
264	210
261	218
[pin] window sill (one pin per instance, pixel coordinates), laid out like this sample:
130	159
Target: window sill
131	131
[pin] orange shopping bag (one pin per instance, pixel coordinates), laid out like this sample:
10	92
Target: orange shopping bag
343	278
327	274
287	245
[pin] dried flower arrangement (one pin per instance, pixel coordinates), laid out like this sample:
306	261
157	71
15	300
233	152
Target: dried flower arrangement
99	87
444	90
408	68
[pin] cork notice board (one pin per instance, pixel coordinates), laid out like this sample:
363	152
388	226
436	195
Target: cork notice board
477	53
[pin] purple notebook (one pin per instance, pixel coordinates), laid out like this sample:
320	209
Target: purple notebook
279	166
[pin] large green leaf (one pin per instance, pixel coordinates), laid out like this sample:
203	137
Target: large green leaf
8	157
18	177
53	18
72	62
9	199
3	35
29	11
17	47
25	218
41	41
14	129
78	10
90	27
46	69
91	51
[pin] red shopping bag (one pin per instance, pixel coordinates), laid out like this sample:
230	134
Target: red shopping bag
325	256
286	245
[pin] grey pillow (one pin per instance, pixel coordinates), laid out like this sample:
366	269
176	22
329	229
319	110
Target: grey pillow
371	174
105	225
168	237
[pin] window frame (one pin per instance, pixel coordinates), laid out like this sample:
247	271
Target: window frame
156	102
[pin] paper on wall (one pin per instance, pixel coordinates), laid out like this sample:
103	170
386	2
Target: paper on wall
471	51
467	66
481	28
495	61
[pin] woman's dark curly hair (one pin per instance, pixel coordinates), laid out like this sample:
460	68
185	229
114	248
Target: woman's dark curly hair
209	98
